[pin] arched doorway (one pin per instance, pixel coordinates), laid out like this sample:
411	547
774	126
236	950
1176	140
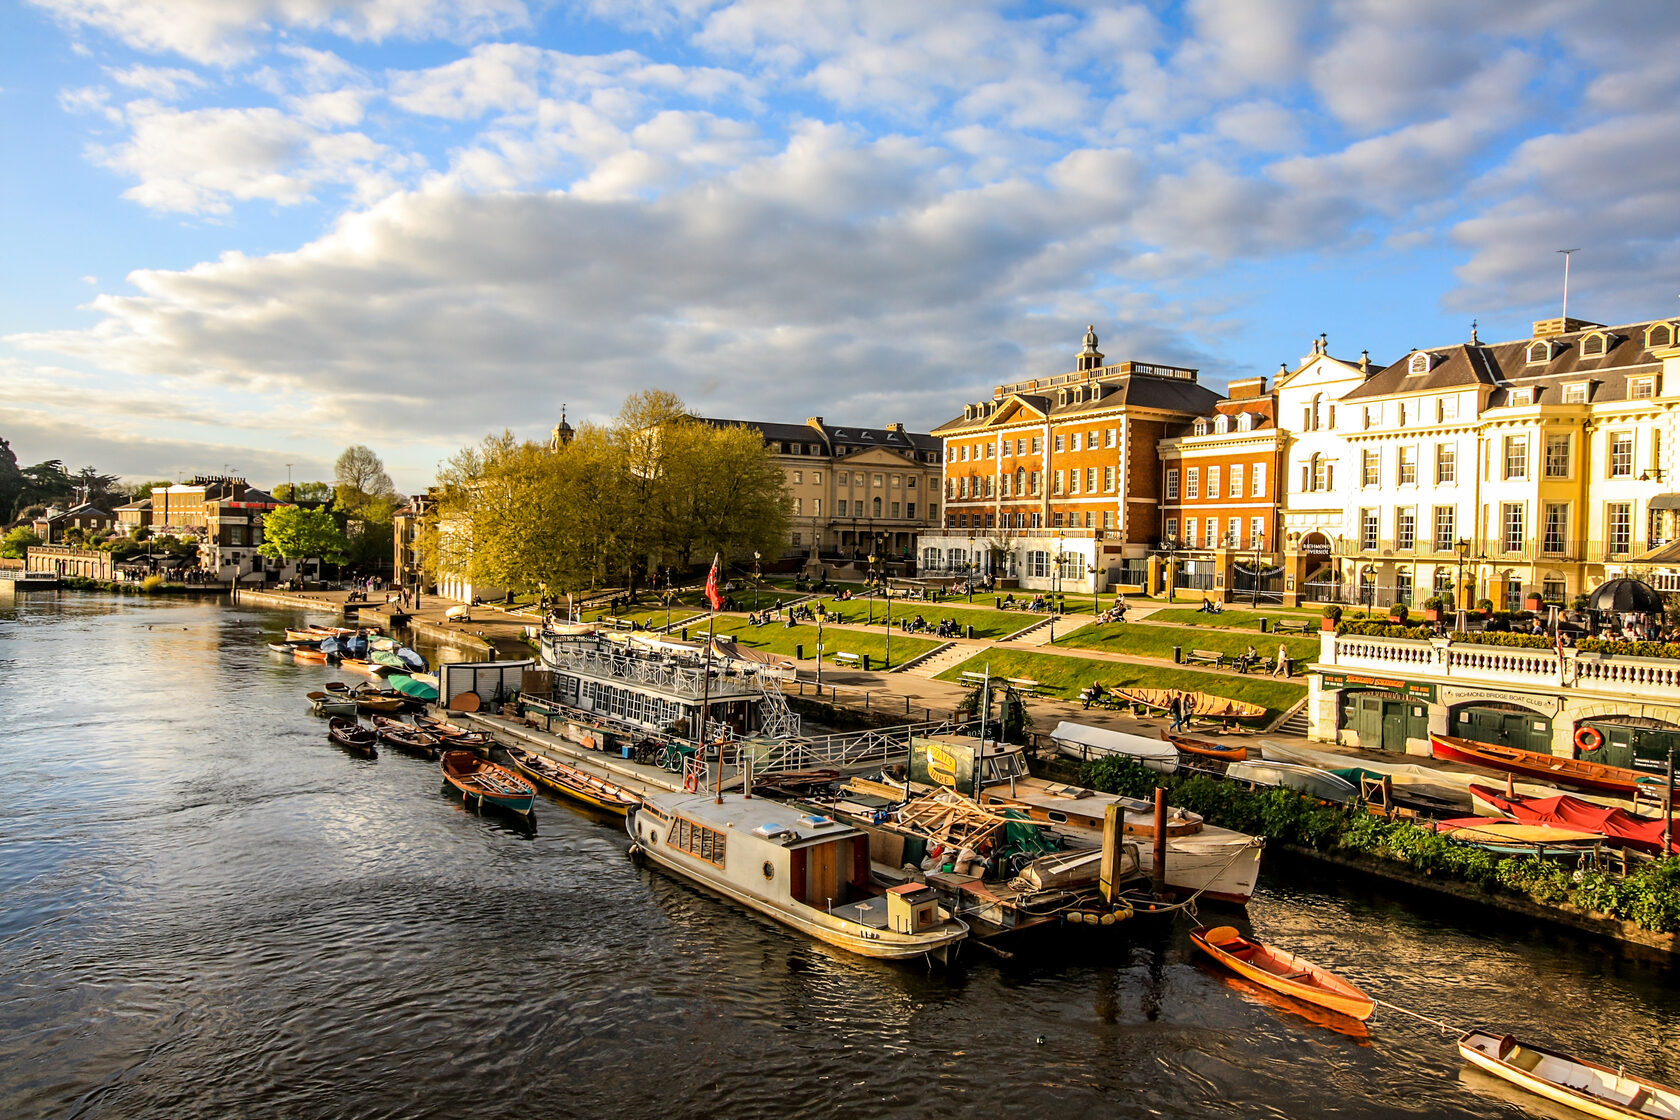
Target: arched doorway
1319	580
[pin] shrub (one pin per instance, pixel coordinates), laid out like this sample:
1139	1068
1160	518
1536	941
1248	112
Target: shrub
1399	612
1629	649
1496	638
1333	612
1485	605
1383	630
151	585
1434	603
1579	603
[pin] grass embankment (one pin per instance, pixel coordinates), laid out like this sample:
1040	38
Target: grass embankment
1649	898
780	638
987	623
1229	619
1143	640
1064	677
688	604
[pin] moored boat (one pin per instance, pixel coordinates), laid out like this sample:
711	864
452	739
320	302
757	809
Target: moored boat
1616	825
452	736
1207	748
1283	972
1076	740
309	653
406	737
1588	1087
484	782
1508	836
810	873
569	781
1533	764
331	704
379	705
1309	780
352	736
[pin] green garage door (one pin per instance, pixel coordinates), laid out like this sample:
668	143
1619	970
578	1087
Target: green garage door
1384	720
1641	747
1504	725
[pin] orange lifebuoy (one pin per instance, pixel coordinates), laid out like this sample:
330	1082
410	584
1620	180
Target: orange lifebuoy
1589	738
691	781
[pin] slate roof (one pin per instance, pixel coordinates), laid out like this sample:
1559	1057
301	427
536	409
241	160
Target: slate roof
833	436
1502	366
1131	390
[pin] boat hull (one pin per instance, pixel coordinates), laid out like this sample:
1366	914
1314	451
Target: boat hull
608	797
887	946
1326	990
1551	769
502	788
1483	1050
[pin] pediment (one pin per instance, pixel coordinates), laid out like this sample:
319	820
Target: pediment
878	456
1015	410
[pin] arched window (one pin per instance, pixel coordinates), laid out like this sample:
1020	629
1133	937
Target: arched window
1592	346
1315	419
1221	424
875	507
1315	473
1540	351
1201	427
1659	336
1245	422
1420	363
1020	481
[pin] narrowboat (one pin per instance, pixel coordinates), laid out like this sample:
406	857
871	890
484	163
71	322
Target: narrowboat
809	872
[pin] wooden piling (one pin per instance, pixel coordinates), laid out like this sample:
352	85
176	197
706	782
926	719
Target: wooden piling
1160	876
1113	851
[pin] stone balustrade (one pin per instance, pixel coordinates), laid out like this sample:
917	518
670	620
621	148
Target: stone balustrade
1489	665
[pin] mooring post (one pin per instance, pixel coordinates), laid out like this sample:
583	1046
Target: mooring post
1160	870
1114	831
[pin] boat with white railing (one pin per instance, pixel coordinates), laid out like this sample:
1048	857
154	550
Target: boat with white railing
809	872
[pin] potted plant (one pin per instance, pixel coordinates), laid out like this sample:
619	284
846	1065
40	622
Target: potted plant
1399	612
1332	615
1432	608
1531	602
1485	606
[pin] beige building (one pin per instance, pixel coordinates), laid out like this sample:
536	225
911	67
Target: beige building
855	489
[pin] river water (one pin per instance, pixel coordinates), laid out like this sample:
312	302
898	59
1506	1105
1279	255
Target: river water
207	910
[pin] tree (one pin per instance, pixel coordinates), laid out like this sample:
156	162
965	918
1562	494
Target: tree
313	493
361	470
11	482
295	533
140	491
17	541
47	483
96	488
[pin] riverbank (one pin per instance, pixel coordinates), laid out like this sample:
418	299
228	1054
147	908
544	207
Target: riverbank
488	630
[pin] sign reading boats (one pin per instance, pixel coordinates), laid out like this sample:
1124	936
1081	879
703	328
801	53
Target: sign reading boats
942	762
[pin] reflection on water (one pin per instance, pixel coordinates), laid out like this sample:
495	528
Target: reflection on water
210	911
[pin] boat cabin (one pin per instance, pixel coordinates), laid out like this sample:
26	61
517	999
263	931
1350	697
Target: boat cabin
765	849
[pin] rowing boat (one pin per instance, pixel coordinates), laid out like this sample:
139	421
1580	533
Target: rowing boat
309	653
406	737
1207	748
452	736
1201	703
1533	764
331	704
1508	836
1586	1086
352	736
379	705
1616	825
1283	972
485	781
569	781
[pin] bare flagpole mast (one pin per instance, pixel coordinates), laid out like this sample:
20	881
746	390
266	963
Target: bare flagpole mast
1566	254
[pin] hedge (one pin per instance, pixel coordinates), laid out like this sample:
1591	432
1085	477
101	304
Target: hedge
1629	649
1650	897
1383	630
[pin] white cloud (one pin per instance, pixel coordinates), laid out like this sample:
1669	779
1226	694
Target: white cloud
221	31
163	83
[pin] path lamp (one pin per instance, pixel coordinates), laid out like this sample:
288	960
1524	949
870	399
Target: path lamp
1055	586
1463	550
973	567
882	585
1096	607
758	574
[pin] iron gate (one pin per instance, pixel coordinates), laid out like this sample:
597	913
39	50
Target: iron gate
1251	584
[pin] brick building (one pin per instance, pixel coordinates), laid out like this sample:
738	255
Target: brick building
1054	481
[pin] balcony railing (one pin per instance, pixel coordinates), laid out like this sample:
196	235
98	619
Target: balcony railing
1472	663
1493	551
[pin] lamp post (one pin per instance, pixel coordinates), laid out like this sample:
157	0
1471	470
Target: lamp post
1463	550
882	586
758	574
1096	607
973	568
1055	586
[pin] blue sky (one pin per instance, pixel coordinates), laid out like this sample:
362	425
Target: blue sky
245	233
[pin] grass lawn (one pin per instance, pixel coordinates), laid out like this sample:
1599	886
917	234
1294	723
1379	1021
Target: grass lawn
1229	619
986	623
778	638
1144	640
1065	676
688	603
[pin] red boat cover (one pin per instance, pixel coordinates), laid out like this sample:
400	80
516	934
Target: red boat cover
1572	812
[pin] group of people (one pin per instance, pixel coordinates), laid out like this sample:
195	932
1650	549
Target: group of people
1038	603
946	628
1210	607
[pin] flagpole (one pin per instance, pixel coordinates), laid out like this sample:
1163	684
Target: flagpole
714	599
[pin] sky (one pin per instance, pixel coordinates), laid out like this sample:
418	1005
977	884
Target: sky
242	234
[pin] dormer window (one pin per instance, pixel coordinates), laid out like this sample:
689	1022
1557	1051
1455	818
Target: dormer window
1061	398
1595	345
1520	398
1096	391
1420	363
1245	422
1539	351
1659	335
1641	388
1222	424
1575	393
1078	395
1201	427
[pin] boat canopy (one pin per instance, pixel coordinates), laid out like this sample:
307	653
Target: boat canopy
1103	741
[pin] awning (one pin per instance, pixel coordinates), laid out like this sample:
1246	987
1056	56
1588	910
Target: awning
1662	554
1664	501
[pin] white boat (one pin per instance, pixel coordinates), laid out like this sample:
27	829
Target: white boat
1585	1086
805	871
1076	740
1309	780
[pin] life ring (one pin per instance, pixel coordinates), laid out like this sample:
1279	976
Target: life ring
1589	738
691	781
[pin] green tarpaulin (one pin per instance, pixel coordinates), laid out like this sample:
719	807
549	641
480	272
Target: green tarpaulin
408	686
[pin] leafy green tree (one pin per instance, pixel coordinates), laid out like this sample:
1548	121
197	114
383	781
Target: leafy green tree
314	493
17	541
363	492
295	533
47	483
11	482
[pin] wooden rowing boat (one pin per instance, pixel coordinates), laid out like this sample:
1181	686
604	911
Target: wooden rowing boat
484	781
331	704
1533	764
569	781
1586	1086
1201	703
309	653
1283	972
453	737
379	705
352	736
406	737
1207	748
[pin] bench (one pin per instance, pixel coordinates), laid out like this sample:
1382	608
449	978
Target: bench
1292	628
850	660
1025	684
1205	657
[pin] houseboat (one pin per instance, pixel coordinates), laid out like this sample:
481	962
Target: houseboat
610	689
806	871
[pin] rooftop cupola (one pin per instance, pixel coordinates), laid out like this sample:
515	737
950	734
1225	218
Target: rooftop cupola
1090	357
562	434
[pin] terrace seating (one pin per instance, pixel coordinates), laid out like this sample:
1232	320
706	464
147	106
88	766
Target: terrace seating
849	660
1205	657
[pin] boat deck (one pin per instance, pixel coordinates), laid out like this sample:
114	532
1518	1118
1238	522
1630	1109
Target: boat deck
871	912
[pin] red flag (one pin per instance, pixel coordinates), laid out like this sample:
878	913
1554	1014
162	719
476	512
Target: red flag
714	595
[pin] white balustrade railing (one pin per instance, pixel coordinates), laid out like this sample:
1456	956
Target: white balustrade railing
1491	665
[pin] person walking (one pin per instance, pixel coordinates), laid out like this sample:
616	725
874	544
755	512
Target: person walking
1281	669
1175	708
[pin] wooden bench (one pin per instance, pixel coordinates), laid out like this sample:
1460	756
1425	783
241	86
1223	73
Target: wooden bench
1025	684
850	660
1205	657
1292	628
